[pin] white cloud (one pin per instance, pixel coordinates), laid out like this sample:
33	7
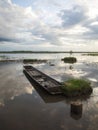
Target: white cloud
49	24
73	16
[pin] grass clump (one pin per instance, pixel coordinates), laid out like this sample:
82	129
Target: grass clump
69	60
76	87
26	61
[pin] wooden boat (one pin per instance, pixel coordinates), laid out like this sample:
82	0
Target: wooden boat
49	84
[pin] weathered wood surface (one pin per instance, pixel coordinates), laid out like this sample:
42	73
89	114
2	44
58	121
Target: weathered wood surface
49	84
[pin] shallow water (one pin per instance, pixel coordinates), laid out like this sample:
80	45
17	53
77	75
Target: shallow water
24	107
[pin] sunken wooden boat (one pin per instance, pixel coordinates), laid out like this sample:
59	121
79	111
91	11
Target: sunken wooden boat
42	80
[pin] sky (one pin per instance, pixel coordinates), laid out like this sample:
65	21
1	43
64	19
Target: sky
49	25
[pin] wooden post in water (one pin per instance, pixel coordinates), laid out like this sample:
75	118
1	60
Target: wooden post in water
76	110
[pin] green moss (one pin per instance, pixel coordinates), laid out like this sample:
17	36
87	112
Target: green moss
76	87
69	60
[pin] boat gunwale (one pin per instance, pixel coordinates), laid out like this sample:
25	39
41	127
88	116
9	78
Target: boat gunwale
48	77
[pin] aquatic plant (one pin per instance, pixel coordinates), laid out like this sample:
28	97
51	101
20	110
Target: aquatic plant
34	61
69	60
76	87
91	54
4	57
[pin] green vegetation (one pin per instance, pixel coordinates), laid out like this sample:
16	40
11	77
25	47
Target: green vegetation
4	57
69	60
91	54
76	87
23	51
15	52
25	61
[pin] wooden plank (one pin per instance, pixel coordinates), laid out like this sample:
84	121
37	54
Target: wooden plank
49	84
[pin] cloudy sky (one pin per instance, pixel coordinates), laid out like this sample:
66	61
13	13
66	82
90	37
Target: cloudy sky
55	25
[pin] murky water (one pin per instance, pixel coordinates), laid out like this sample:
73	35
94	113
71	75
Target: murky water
27	107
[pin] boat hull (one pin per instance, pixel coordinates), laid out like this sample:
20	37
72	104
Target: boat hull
42	80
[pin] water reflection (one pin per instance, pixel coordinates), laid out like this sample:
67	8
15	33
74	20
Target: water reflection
76	110
12	82
75	106
70	67
47	98
29	109
63	72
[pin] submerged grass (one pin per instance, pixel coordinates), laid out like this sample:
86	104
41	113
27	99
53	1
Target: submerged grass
76	87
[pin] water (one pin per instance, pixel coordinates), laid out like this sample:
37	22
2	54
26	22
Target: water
24	106
34	56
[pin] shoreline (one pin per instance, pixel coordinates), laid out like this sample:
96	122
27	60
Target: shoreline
22	52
